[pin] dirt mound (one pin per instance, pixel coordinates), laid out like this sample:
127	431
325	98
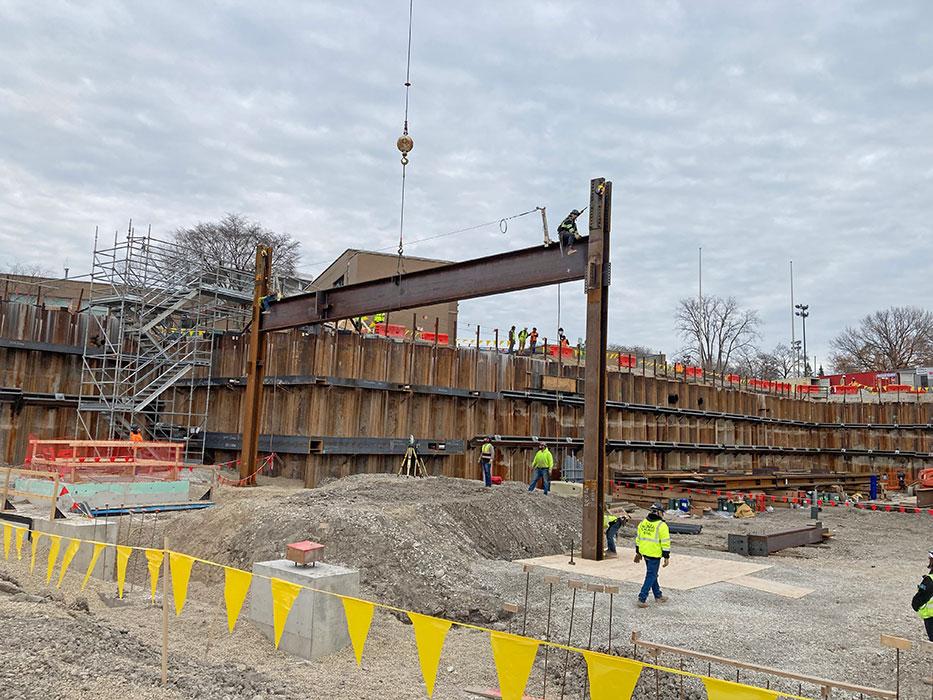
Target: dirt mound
425	544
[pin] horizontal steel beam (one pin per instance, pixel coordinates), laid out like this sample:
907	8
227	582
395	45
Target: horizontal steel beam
494	274
333	445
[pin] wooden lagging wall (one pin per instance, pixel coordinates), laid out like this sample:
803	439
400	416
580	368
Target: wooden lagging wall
323	410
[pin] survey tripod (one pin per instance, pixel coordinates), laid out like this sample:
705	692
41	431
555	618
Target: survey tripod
412	464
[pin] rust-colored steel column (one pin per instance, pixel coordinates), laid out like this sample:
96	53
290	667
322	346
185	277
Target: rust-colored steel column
594	416
255	370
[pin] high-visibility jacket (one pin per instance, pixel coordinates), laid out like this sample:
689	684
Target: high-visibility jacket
926	610
522	336
486	450
543	459
653	538
136	437
379	318
608	519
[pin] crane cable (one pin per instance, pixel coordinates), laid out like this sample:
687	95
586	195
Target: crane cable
405	144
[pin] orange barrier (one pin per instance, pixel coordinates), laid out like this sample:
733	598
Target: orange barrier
83	459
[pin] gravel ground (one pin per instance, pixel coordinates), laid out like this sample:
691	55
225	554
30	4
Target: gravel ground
444	546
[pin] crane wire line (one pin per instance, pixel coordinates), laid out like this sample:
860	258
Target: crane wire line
444	235
401	217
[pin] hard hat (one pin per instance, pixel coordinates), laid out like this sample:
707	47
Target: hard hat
656	508
542	444
575	212
486	439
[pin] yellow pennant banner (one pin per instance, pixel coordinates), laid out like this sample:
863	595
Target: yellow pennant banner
53	555
7	539
359	617
236	586
430	633
611	677
284	594
514	657
727	690
98	548
180	567
36	536
123	558
70	552
154	559
20	536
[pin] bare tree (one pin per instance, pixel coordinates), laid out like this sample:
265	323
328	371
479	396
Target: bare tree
777	364
31	270
231	243
894	338
641	350
715	330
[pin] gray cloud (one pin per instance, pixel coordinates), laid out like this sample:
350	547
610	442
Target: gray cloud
760	131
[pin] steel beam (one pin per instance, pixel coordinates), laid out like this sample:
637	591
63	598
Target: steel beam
255	369
594	406
495	274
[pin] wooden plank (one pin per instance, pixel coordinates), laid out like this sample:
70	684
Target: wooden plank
895	642
565	384
781	589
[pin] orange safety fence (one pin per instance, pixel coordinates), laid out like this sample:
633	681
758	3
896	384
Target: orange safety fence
94	459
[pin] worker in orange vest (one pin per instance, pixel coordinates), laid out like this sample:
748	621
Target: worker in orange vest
135	434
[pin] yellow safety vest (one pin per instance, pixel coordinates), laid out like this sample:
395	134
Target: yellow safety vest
926	610
486	450
653	538
609	519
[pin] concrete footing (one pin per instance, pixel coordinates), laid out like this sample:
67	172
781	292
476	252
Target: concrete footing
316	625
99	530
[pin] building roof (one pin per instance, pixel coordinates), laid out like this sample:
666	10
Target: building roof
350	253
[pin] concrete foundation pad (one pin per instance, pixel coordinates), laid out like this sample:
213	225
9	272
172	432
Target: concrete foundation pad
99	530
566	488
112	494
684	572
316	625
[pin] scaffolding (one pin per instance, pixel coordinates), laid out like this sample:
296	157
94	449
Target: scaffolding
155	312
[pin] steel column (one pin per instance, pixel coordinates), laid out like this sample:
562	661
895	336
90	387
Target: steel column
255	368
594	415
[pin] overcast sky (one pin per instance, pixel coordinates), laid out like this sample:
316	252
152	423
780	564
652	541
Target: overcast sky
759	131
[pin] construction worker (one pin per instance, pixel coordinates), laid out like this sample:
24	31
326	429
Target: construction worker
541	467
567	231
922	602
511	339
522	339
532	340
652	543
135	434
485	461
613	519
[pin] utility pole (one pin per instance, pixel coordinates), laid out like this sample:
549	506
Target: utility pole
793	324
803	313
255	370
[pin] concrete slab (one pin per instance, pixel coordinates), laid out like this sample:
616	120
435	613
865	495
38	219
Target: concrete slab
114	494
98	529
684	573
316	625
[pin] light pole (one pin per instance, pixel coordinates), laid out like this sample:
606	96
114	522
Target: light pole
803	313
795	346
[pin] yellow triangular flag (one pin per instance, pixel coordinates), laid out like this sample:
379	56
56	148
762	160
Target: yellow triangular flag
611	677
727	690
7	540
430	633
359	617
98	548
284	594
236	586
181	572
20	535
70	552
36	536
53	555
154	557
123	558
514	657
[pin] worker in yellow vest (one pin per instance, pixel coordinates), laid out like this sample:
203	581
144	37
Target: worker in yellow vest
485	461
922	602
613	519
652	543
541	467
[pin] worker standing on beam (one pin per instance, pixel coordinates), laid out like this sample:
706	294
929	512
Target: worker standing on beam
511	340
485	461
522	339
652	543
922	602
532	340
567	231
541	467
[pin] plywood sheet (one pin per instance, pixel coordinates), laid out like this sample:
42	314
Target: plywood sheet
684	573
776	587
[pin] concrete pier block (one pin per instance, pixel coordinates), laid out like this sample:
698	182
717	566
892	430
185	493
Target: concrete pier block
316	625
99	529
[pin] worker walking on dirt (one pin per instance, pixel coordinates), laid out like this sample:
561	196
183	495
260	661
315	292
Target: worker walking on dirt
652	543
613	519
485	461
541	467
532	340
522	339
923	598
567	231
511	340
